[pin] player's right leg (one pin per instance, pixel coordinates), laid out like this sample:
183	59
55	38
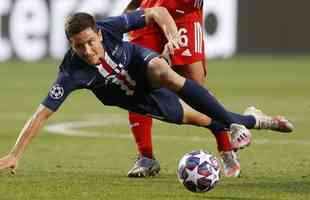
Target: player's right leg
145	165
199	98
159	74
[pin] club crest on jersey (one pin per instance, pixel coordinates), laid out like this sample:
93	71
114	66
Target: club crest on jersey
56	92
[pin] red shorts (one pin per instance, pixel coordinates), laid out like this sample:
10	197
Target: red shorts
192	43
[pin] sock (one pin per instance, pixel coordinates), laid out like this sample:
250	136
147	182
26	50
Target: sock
248	121
223	141
141	127
201	100
216	127
221	135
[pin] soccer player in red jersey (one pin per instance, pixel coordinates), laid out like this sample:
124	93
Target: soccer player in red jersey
189	61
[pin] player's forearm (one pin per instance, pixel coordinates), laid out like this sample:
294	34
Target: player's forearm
162	17
30	129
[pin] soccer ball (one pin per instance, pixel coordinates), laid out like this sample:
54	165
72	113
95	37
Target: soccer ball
199	171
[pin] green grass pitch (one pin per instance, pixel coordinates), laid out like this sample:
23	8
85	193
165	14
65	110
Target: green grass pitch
58	167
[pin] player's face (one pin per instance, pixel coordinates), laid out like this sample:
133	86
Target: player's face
87	44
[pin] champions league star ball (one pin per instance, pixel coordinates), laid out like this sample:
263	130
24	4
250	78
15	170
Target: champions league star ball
199	171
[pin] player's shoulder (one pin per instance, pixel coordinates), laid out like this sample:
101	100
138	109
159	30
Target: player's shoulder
70	61
69	58
109	28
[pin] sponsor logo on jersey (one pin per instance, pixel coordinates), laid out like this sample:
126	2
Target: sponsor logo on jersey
56	92
115	74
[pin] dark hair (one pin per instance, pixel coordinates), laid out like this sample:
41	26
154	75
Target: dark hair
78	22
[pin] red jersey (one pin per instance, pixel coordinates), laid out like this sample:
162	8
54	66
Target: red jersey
177	8
182	11
188	17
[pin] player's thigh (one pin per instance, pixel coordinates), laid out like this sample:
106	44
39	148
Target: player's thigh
191	116
190	61
194	71
160	74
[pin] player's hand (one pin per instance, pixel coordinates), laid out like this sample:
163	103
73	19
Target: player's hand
166	55
173	43
8	162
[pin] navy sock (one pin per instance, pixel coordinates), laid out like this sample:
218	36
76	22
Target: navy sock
216	127
247	120
201	100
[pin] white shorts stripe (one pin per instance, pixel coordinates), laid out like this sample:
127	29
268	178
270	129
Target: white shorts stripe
198	37
198	3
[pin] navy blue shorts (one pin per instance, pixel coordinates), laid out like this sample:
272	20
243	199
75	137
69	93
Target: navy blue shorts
160	103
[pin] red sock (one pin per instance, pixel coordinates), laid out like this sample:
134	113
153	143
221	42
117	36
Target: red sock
141	127
223	141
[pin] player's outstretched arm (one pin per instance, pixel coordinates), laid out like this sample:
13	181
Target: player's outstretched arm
31	128
161	16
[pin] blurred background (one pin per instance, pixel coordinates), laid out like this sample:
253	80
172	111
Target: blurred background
232	26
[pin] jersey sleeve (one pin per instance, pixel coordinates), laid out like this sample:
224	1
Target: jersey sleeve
143	56
125	22
59	91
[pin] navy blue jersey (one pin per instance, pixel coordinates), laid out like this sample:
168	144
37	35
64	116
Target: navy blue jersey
124	83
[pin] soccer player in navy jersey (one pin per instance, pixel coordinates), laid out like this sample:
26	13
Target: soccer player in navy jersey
131	77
